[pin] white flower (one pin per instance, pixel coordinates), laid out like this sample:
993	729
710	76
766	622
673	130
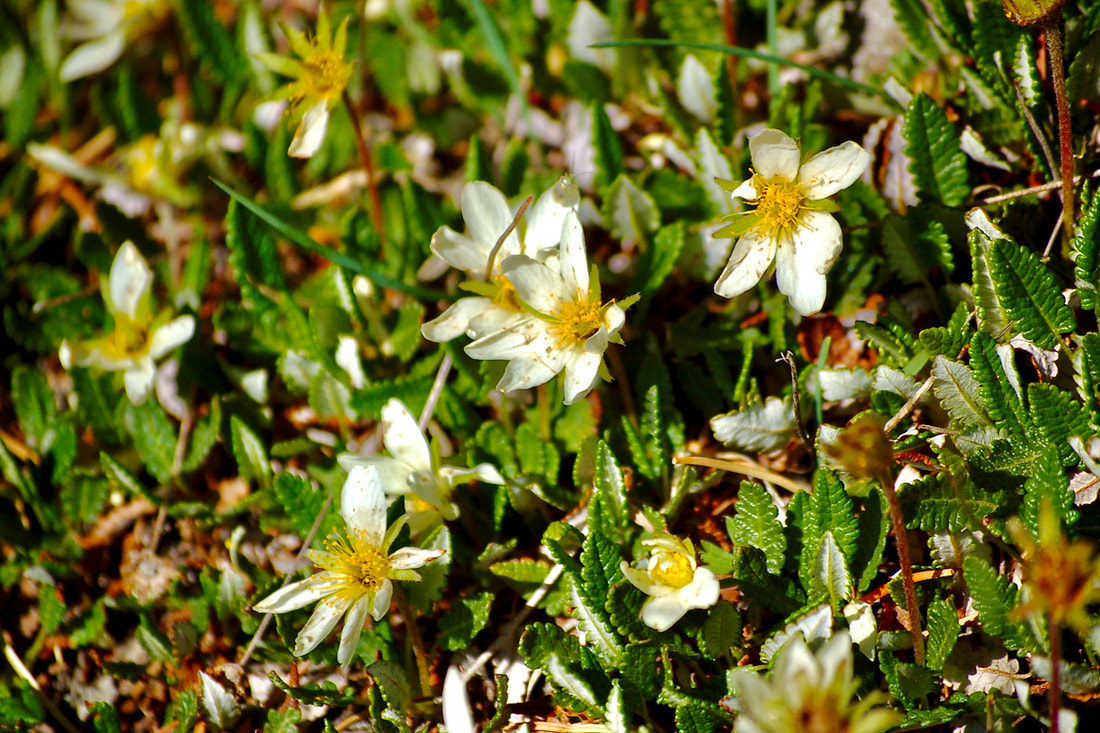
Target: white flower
673	580
357	570
807	691
566	328
105	26
488	216
414	472
792	223
138	339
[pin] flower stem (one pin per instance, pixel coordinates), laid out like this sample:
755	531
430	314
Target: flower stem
1052	31
1055	672
419	652
368	166
902	539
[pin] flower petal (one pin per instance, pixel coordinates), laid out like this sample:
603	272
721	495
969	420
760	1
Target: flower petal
455	321
748	263
291	598
393	474
353	629
408	558
774	153
573	259
833	170
311	132
530	371
139	380
320	624
93	56
539	285
402	437
171	335
662	613
487	215
129	281
467	254
582	374
518	339
545	219
382	599
747	191
482	472
363	504
493	320
801	264
702	591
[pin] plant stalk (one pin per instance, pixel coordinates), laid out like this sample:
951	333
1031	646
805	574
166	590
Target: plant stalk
902	538
1055	672
419	651
368	166
1052	32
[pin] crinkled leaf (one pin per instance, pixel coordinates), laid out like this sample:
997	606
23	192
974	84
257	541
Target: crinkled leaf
1029	294
762	426
959	392
937	163
756	524
219	706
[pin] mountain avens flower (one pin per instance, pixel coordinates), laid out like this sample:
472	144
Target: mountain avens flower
105	27
809	692
357	570
413	470
792	223
567	326
487	214
320	75
138	338
674	581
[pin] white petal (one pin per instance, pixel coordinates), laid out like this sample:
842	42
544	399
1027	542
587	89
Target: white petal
662	613
613	320
454	321
93	56
695	88
291	598
408	558
748	263
311	132
573	258
487	215
493	320
467	254
545	219
139	380
746	191
524	373
519	338
582	373
774	153
801	264
171	335
320	624
129	282
537	284
353	629
835	658
795	660
703	590
833	170
402	437
458	715
382	600
363	504
482	472
393	474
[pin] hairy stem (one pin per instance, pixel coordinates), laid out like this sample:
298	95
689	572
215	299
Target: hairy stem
1052	31
368	166
902	539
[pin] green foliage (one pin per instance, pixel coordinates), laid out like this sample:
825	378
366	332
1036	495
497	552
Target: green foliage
937	164
943	632
996	388
756	524
1057	417
1029	295
1086	251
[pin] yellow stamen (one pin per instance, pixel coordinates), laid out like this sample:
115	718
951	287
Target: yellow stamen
576	322
669	568
361	566
778	207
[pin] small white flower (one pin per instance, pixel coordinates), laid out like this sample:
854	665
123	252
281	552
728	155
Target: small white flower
566	328
792	223
138	339
487	217
414	472
809	691
357	570
105	26
673	580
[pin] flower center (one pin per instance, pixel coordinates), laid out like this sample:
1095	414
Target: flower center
777	207
670	568
324	74
575	322
506	295
128	339
363	566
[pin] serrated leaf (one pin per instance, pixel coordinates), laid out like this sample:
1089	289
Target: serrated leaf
464	620
657	261
996	387
959	392
943	632
249	452
1085	250
301	501
1089	375
105	717
893	350
611	488
828	509
874	526
219	706
713	164
153	437
1057	416
995	600
830	575
211	43
120	477
392	683
618	720
721	632
609	151
568	678
912	16
937	163
1047	482
629	213
282	721
522	570
1029	295
329	398
203	437
756	524
913	245
762	426
991	314
405	337
815	625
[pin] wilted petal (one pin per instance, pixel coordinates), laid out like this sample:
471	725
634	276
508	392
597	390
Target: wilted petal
171	335
311	132
748	263
774	153
129	281
320	624
833	170
363	504
402	437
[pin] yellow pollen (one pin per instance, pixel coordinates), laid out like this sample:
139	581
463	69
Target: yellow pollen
363	566
128	339
575	322
324	74
670	568
506	295
778	206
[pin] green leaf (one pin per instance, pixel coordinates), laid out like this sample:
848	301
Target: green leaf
956	388
34	406
874	526
211	42
831	578
762	426
463	621
994	598
914	244
153	435
252	252
611	488
991	314
629	213
285	721
912	16
203	437
522	570
301	502
120	477
895	348
609	151
405	336
756	524
1029	294
937	163
105	717
1089	375
392	683
815	625
721	633
828	509
1047	482
996	386
1086	250
1058	416
329	398
656	262
249	452
943	632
